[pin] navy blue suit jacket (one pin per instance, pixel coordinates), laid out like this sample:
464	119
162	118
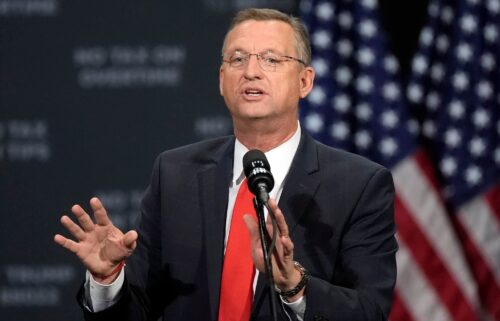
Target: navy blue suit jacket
339	209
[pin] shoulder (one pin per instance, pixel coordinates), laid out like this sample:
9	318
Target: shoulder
322	157
199	152
329	156
339	167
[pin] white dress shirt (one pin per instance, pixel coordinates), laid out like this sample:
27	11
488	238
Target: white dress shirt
100	297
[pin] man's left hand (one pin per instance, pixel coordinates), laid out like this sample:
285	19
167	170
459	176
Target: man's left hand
286	276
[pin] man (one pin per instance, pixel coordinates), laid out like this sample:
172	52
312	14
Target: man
335	210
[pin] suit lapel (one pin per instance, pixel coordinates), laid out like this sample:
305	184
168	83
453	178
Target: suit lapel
299	188
214	180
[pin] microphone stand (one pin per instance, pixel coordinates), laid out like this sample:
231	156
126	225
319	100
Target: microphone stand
264	239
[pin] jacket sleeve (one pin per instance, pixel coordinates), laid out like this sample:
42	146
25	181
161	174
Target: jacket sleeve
140	297
365	270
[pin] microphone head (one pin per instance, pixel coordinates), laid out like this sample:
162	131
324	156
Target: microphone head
258	172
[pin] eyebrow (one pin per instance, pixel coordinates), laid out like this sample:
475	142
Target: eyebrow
260	52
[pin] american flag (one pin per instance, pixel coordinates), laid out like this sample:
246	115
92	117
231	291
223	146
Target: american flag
439	134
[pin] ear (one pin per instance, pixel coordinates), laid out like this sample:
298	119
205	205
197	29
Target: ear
221	80
306	81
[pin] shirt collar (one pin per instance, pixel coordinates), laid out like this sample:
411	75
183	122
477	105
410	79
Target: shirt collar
280	159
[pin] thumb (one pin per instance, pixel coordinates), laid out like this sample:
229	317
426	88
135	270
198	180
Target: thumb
130	240
252	226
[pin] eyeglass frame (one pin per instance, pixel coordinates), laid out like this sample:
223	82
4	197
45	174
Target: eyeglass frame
248	55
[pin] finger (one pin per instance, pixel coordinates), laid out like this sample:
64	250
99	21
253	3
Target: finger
278	247
287	246
130	240
252	227
83	218
280	218
73	228
66	243
100	214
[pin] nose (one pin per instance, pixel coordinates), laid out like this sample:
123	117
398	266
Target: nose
253	69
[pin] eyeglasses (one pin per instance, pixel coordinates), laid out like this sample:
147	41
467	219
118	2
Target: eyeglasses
268	61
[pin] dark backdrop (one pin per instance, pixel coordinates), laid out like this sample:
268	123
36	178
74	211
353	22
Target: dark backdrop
90	92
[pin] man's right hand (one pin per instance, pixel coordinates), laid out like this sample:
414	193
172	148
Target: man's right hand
100	246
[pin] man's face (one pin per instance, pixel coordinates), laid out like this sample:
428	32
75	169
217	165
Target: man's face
252	93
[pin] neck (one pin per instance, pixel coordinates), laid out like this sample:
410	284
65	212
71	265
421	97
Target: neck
261	136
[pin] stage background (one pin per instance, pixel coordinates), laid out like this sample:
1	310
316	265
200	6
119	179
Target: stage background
90	92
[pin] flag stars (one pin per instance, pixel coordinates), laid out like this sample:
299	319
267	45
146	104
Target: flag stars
493	6
448	166
364	112
344	48
389	119
369	4
437	72
473	175
468	23
496	155
345	20
442	43
317	96
364	84
456	109
325	11
452	138
429	128
314	122
305	6
365	56
481	118
388	146
460	81
477	146
339	130
343	75
426	37
391	64
322	39
367	28
320	66
433	100
484	90
464	52
433	9
415	93
419	64
342	103
487	61
390	91
447	15
362	139
491	33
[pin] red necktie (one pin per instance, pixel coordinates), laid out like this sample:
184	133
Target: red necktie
238	271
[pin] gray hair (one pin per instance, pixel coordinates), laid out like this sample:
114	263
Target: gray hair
302	43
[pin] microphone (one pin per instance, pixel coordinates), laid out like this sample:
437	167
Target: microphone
258	173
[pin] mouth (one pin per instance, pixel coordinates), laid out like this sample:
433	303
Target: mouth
252	93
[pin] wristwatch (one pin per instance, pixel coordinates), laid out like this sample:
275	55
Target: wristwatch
303	281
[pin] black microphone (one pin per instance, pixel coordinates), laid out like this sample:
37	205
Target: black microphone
258	172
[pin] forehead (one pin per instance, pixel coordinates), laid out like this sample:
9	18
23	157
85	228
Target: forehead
257	36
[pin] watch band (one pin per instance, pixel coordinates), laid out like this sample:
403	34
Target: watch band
303	281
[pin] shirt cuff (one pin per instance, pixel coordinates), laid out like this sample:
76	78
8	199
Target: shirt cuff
298	307
102	296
